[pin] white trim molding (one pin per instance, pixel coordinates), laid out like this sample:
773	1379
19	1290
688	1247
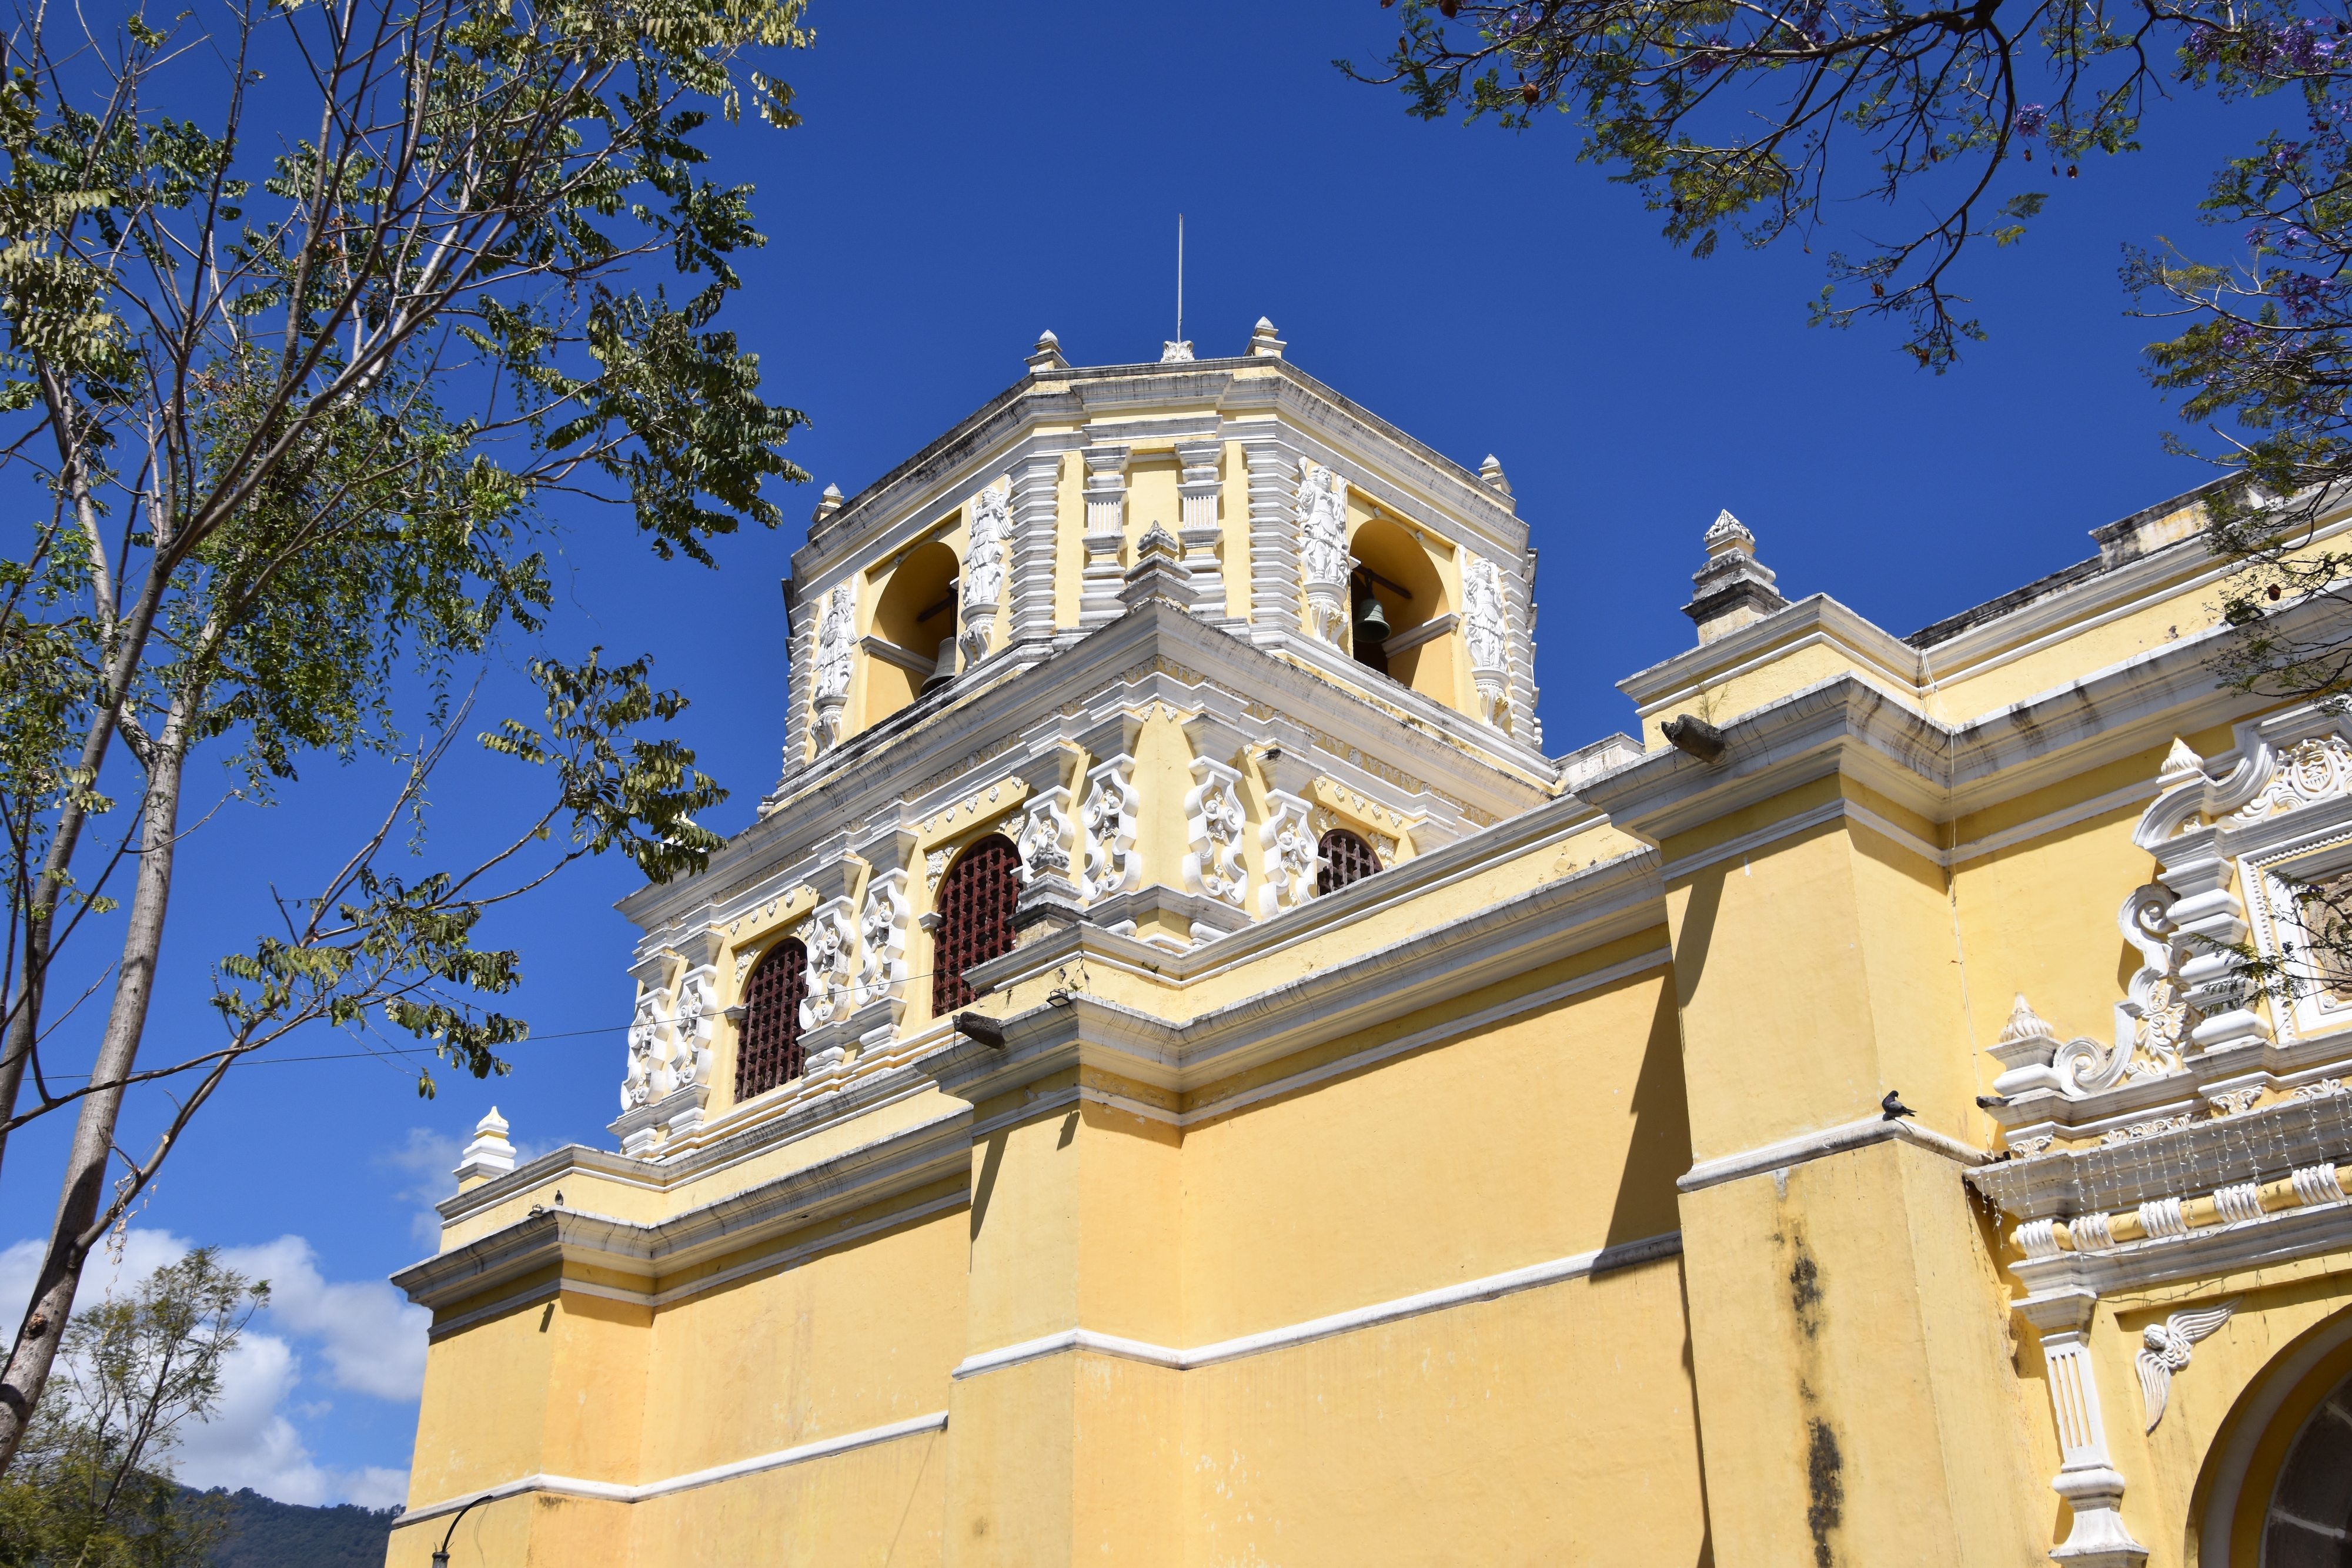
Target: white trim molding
1837	1139
1583	1265
614	1491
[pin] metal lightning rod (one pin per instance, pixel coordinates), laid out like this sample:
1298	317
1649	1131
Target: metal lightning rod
1180	277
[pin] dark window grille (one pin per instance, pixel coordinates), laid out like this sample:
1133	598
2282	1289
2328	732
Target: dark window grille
1346	858
975	918
768	1047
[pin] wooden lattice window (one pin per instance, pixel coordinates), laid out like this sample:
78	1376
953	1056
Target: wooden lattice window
768	1045
975	918
1346	858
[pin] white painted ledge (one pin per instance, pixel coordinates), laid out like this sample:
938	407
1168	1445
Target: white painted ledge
1834	1140
1580	1266
613	1492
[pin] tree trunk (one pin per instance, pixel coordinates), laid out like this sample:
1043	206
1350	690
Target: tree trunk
83	1190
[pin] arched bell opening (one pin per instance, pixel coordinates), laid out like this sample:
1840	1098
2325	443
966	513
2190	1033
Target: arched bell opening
912	644
1396	600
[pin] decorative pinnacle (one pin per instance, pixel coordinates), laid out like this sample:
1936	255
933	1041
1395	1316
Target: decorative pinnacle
826	504
2024	1024
491	1127
1728	533
1490	472
1048	355
1264	342
2180	763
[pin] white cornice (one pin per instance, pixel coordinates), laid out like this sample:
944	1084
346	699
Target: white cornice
1543	925
2261	1145
916	1156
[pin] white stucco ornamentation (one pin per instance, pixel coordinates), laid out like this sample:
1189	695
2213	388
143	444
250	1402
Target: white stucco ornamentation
2167	1352
935	866
1112	865
882	938
829	938
1286	840
1213	833
1046	835
836	641
649	1075
1321	507
2316	768
694	1025
1486	627
984	571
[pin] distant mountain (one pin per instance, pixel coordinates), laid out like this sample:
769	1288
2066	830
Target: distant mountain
266	1533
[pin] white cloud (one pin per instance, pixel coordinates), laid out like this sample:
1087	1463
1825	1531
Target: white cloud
426	1158
249	1442
374	1340
371	1340
376	1487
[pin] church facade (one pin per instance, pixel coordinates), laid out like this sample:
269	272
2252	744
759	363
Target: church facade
1180	1074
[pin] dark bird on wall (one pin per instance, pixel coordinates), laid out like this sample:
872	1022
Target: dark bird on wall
1895	1108
559	1198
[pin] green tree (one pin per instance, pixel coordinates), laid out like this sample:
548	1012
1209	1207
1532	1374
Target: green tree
290	380
92	1487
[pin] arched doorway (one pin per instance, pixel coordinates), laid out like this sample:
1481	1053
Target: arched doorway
2276	1490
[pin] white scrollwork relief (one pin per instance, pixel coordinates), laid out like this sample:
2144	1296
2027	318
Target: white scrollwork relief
1109	813
1213	833
882	938
2152	1020
935	866
828	936
694	1025
1289	855
984	571
2316	768
1485	628
649	1076
2235	1102
2140	1130
836	641
1046	835
2325	1089
1321	506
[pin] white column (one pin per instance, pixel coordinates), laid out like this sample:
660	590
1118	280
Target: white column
1036	522
1200	530
1106	537
1273	538
2086	1478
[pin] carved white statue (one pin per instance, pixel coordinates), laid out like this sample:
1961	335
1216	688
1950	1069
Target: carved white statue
984	571
1322	511
1484	625
836	639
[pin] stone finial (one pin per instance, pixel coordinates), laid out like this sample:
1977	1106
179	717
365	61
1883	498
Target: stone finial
826	504
1490	473
1048	355
1733	588
1265	344
489	1155
2180	765
1159	572
2027	1049
1176	354
1157	540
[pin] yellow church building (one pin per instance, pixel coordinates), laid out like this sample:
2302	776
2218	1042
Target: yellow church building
1179	1074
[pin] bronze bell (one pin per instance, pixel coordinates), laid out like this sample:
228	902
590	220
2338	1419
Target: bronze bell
1372	621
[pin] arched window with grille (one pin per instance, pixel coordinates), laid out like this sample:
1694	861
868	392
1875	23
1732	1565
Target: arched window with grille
768	1042
1346	858
975	918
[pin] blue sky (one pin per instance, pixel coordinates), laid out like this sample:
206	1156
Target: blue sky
969	176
